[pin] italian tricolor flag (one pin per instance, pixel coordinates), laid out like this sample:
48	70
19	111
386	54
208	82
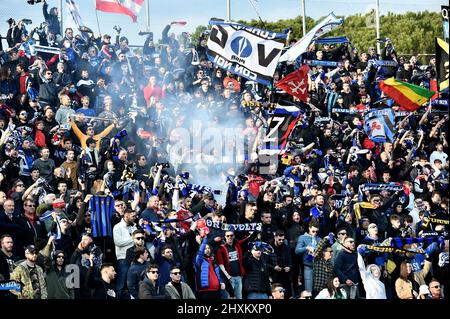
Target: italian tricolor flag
410	97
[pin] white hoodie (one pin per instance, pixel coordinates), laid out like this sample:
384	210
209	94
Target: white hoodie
372	285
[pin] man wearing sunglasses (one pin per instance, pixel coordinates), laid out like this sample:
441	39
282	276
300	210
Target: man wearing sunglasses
139	242
278	291
306	245
30	223
346	268
177	289
56	273
150	288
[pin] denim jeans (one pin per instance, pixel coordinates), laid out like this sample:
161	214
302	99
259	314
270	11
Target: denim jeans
236	283
122	270
257	295
308	277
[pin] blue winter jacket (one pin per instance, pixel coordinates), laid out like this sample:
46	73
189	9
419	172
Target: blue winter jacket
201	264
304	241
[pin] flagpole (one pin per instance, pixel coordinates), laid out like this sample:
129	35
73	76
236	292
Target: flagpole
96	16
377	21
228	10
62	15
303	17
148	14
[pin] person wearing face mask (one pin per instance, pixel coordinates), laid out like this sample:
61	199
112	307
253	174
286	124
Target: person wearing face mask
370	276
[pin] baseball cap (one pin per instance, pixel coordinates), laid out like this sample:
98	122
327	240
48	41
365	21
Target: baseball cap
31	249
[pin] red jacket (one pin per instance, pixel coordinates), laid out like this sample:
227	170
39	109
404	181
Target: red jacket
223	258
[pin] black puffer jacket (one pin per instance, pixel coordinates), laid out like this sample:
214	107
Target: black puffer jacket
256	275
149	291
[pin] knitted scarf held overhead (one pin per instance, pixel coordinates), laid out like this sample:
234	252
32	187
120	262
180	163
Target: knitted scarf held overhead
357	208
393	250
399	242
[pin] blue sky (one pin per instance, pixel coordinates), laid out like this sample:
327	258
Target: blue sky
198	12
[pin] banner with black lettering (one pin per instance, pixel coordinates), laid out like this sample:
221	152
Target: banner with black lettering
234	227
246	51
442	66
393	250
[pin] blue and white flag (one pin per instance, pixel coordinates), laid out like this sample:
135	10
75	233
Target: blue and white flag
246	51
73	8
331	98
101	208
328	24
379	125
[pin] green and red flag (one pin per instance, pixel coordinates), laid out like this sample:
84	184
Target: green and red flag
410	97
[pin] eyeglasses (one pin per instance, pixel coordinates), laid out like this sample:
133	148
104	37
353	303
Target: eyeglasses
436	287
31	205
154	271
230	236
176	273
139	238
60	256
49	73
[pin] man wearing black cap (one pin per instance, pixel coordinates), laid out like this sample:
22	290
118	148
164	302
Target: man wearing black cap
57	276
31	276
256	280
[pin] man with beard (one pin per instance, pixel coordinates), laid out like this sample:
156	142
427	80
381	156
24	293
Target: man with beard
31	276
56	273
122	234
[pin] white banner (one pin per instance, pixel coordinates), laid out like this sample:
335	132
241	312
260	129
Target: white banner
250	52
326	25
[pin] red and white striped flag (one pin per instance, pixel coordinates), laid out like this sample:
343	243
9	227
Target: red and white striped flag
128	7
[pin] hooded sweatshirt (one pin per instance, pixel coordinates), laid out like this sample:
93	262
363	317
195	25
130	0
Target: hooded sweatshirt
372	285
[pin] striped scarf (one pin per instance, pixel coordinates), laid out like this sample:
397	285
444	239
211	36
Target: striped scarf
393	250
357	208
391	187
399	242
